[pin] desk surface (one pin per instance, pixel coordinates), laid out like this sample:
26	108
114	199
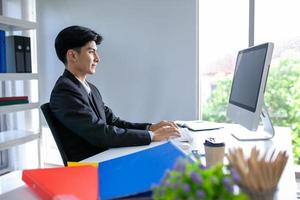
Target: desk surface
282	141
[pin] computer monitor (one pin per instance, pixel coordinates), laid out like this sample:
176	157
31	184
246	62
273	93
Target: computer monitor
246	102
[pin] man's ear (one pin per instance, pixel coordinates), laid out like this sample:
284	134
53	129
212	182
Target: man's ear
72	56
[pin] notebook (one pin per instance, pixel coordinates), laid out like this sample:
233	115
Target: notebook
199	125
74	183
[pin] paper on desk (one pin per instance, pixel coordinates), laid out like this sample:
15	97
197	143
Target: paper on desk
199	125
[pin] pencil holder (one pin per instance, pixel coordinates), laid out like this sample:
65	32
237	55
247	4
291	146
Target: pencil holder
259	195
259	174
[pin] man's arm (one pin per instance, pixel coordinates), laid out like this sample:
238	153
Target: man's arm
116	121
159	131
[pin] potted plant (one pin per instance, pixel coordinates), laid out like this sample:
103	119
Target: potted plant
191	180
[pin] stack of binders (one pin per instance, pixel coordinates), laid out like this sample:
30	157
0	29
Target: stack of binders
18	54
5	101
15	54
128	177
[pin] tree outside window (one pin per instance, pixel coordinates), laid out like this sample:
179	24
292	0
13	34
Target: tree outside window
228	33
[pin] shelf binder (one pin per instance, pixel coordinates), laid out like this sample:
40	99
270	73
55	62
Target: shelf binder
13	98
1	9
79	182
133	175
15	54
2	52
8	103
27	54
18	54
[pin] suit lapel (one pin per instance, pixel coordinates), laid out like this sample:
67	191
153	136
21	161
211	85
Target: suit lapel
91	99
98	103
93	104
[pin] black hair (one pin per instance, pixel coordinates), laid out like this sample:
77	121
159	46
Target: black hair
74	37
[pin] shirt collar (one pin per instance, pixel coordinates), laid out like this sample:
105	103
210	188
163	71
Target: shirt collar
85	85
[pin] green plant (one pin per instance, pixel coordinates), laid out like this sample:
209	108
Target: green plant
215	109
282	97
191	180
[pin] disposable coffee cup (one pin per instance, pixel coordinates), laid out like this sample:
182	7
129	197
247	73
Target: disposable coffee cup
214	151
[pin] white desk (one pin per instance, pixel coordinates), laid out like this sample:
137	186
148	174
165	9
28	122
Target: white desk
12	187
282	141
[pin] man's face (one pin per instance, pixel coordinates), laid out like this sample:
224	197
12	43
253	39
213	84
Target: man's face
87	59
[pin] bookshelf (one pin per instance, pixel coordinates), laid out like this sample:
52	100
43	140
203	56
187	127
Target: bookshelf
18	76
14	137
18	107
12	24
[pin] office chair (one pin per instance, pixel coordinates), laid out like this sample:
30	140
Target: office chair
56	128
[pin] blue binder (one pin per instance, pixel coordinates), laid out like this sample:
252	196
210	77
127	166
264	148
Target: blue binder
2	52
136	173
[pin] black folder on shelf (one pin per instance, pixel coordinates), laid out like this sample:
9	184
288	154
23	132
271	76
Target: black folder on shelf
133	175
18	54
27	54
15	54
1	8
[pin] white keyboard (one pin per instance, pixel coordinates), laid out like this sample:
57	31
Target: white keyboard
185	136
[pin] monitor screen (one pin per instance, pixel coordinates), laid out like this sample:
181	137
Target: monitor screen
247	78
247	91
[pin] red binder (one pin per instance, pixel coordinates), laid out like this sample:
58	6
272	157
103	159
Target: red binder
63	183
14	98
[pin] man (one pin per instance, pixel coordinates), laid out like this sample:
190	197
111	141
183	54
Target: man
78	104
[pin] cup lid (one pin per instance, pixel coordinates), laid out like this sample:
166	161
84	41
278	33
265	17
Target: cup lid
213	142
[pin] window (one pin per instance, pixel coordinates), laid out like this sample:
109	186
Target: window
223	30
277	21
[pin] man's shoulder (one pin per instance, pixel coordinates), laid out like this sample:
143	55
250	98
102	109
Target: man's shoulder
64	88
64	81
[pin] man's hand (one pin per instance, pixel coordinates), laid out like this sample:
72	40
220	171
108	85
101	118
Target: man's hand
161	124
165	132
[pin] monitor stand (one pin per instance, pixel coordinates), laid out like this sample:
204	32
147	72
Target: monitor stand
243	134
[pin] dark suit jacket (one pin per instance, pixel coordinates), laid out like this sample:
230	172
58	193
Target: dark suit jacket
92	126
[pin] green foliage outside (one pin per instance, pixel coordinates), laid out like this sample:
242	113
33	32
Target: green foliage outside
282	99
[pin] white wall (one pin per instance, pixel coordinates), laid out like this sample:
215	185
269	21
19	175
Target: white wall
148	69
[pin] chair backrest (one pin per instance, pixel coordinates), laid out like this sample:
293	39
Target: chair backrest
56	128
